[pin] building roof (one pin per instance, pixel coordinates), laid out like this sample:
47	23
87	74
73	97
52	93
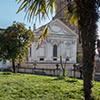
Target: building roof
57	27
1	29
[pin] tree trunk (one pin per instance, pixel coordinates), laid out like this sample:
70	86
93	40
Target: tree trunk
63	69
19	62
13	65
87	23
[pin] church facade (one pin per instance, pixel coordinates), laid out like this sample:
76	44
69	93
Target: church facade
62	40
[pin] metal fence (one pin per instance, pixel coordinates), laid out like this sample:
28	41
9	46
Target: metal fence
40	71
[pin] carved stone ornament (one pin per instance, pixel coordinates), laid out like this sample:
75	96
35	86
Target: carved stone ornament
55	29
58	30
74	41
68	43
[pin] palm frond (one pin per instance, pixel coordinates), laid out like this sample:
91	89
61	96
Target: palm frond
36	8
71	15
44	34
51	4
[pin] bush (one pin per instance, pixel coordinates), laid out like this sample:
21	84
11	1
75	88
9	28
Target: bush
61	77
72	80
79	57
7	73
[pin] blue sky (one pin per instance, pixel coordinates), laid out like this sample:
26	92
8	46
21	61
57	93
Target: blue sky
8	9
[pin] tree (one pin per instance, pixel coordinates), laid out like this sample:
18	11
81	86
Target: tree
15	42
63	66
79	57
86	14
98	47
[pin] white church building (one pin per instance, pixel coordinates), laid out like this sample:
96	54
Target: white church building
61	40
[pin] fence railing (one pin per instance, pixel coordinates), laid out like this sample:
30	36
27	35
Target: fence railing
40	71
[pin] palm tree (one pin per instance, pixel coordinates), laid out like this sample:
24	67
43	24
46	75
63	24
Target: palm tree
98	46
87	11
87	14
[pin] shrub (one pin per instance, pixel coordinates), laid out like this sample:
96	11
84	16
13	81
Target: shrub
79	57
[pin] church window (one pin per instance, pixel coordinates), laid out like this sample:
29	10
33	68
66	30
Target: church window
67	59
41	52
55	51
55	59
68	52
41	59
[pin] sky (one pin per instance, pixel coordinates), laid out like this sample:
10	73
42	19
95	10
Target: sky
99	29
8	9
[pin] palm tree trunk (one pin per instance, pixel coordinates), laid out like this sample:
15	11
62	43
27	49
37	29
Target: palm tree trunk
87	23
13	65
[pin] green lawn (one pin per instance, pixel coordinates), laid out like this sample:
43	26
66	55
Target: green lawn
33	87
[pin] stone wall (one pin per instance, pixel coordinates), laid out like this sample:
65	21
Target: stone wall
97	69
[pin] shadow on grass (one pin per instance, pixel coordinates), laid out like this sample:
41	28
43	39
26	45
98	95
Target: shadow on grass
66	79
9	73
71	80
6	73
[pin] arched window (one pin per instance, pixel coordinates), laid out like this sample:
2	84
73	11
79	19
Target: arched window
55	51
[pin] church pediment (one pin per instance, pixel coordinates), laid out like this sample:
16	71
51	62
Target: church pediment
58	30
58	27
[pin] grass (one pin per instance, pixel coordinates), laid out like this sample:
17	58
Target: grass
33	87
